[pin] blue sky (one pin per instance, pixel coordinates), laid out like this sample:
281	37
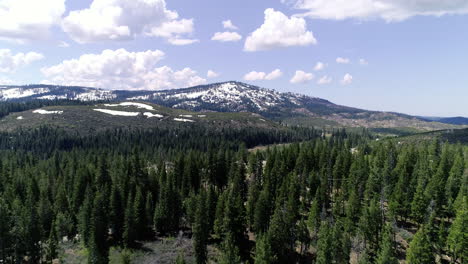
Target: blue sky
405	56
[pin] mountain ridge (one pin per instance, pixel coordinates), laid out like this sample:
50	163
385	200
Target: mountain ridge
233	96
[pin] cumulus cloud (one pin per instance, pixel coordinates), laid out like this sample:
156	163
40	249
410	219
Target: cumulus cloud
10	62
120	69
25	20
347	79
324	80
257	76
174	31
118	20
319	66
212	74
279	31
341	60
226	36
302	77
388	10
182	42
274	75
227	24
363	62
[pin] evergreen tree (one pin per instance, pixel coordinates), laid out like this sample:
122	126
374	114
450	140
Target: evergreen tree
5	227
457	240
200	230
230	251
98	245
116	215
420	250
325	244
387	248
130	231
264	253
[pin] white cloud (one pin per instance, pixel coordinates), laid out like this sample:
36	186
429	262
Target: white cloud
388	10
274	75
341	60
118	20
257	76
319	66
227	24
302	77
120	69
324	80
25	20
279	31
254	76
10	62
347	79
363	62
226	36
5	81
182	42
212	74
174	31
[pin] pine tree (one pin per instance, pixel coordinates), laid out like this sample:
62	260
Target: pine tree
420	203
230	251
262	212
200	230
420	250
341	243
85	218
313	220
129	234
116	214
457	240
5	227
264	254
98	245
52	245
141	228
387	248
325	243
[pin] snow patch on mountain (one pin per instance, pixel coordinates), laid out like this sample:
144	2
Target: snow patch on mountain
183	120
117	113
47	112
8	93
138	105
149	115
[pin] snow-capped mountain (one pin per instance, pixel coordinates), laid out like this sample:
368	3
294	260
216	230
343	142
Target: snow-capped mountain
231	97
52	92
226	97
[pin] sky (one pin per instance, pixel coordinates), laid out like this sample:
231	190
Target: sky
408	56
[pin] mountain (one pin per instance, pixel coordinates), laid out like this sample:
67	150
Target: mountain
84	119
288	108
458	120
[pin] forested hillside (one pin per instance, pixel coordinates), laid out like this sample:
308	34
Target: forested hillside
333	198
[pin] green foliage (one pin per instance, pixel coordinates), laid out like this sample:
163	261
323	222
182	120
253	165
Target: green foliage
387	253
201	230
264	253
122	187
420	250
457	240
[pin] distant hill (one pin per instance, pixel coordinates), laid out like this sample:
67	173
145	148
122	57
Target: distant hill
85	119
288	108
459	120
